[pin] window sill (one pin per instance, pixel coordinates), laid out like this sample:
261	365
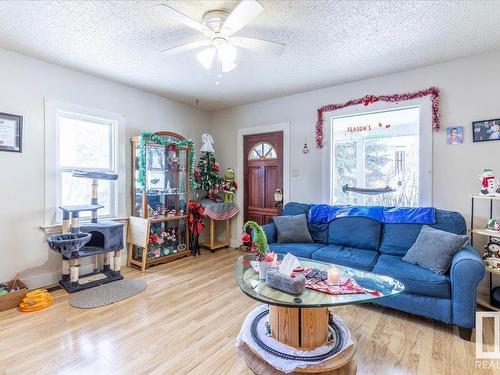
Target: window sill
57	228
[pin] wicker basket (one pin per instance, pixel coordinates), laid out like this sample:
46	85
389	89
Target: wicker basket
13	299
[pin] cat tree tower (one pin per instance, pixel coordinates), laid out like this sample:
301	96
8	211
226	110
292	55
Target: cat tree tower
103	238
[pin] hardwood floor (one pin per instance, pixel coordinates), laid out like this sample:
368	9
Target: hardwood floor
186	322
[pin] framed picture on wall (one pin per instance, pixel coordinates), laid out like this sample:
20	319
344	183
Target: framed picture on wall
486	130
11	132
455	135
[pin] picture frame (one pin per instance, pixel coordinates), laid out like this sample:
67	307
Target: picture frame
486	130
455	135
11	132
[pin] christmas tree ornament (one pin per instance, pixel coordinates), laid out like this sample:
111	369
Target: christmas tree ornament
207	143
305	149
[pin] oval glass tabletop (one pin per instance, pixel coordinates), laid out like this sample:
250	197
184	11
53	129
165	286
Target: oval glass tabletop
252	286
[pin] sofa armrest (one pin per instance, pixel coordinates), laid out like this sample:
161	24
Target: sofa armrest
466	271
271	232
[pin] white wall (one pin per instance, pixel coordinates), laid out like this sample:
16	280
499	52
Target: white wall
470	90
24	83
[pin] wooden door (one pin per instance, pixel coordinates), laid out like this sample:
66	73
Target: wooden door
263	155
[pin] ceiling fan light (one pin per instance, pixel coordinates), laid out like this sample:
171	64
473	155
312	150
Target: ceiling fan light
206	57
228	66
226	52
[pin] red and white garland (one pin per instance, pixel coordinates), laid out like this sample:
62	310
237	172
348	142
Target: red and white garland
433	92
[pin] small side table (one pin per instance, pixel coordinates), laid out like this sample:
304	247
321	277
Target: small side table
218	211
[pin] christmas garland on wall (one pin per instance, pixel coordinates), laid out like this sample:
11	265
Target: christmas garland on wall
433	92
146	137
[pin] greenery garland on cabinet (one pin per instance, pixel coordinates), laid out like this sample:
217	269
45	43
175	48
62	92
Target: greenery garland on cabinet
146	137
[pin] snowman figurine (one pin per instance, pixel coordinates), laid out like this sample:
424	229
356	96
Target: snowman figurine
489	184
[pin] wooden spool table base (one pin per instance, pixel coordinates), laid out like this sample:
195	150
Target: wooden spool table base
304	329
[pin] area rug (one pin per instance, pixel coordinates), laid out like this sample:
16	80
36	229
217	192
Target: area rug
107	294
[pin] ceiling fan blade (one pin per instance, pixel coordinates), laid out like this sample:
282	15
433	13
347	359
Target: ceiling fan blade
258	45
182	18
186	47
244	12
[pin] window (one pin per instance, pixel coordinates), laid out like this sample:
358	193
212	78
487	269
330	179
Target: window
377	150
86	143
78	137
262	150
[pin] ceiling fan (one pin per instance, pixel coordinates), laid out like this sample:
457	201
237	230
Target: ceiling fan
219	28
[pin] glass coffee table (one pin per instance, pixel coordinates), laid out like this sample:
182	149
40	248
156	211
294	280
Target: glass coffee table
320	342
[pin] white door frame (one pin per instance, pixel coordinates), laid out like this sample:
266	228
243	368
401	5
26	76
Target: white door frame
285	128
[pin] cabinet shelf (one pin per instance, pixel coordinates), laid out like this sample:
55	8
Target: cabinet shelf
164	218
487	197
483	300
494	271
163	187
486	232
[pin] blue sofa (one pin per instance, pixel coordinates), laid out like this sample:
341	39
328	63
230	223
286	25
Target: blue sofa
367	244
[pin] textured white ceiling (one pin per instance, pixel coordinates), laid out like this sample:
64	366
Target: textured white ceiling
328	42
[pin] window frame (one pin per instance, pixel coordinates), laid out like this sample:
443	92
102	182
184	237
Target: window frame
425	145
53	170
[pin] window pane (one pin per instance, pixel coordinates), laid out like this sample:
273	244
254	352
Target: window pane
85	144
345	170
75	191
262	150
374	151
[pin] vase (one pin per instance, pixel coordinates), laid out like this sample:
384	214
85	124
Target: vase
263	268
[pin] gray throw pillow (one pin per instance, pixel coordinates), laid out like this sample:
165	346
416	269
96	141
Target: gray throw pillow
434	249
292	228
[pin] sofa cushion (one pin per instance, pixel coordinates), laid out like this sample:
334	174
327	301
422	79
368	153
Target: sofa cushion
292	228
398	238
347	256
319	232
357	232
303	250
294	208
417	280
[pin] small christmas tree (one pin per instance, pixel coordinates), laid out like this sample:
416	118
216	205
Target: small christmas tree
207	175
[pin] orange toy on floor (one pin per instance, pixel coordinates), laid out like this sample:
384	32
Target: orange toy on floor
36	300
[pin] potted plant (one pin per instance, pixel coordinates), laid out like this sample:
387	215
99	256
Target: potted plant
259	245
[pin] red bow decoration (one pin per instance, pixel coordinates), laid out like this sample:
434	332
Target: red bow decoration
196	215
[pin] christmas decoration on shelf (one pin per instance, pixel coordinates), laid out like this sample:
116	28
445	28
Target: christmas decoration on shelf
433	92
229	186
489	184
206	173
172	146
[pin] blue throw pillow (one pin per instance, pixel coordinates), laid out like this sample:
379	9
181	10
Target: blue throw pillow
434	249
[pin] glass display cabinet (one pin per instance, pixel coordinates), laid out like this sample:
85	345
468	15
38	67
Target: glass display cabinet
158	227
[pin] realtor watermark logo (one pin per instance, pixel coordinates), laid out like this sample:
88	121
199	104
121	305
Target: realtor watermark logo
487	353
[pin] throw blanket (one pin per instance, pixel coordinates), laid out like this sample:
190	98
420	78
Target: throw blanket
323	213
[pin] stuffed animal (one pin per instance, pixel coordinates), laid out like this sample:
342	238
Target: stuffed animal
229	186
489	184
258	237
